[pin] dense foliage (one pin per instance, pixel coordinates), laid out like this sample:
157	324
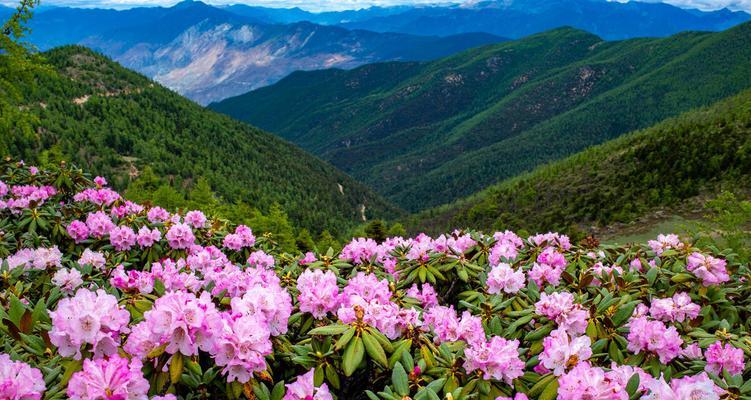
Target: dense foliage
701	152
115	122
105	298
428	134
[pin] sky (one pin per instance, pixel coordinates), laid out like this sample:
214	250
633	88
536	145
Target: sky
330	5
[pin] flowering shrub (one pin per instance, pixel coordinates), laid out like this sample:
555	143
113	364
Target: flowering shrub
106	299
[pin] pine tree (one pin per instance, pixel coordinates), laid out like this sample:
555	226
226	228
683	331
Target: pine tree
202	198
327	241
397	229
376	230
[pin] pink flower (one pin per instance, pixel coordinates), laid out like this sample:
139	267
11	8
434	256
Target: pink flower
368	287
361	251
309	258
37	259
240	345
304	389
504	278
122	238
99	224
692	352
67	280
246	234
157	214
690	387
113	378
261	259
665	242
18	381
725	357
506	247
678	308
93	258
100	181
655	337
518	396
147	237
269	302
319	292
196	219
78	230
497	359
587	382
447	327
562	351
180	236
133	280
178	319
560	307
427	296
233	242
710	270
88	318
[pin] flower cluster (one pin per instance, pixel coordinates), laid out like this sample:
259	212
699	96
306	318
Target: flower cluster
19	381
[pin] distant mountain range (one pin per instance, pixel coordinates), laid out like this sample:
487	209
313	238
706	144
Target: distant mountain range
424	134
610	20
210	53
207	53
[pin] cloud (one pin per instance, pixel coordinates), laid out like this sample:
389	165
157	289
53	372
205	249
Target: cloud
705	5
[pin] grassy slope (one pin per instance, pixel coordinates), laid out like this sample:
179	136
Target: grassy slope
426	134
698	152
130	121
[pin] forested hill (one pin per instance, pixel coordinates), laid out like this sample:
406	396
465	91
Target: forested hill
700	152
427	134
116	122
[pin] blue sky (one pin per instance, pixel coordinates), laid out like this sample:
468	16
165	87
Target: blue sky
323	5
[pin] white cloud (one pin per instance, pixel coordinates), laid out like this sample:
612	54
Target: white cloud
706	5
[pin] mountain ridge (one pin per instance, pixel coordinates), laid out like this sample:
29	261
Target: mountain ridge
450	127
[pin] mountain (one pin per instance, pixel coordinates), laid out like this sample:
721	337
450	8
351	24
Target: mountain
424	134
115	122
207	53
611	20
698	153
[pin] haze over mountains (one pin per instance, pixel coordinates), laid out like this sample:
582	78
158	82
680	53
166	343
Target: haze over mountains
423	134
209	53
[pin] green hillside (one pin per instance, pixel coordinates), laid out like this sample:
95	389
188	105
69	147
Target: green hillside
116	122
428	134
700	152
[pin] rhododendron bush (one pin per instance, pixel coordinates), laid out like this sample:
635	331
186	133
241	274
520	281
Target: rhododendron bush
106	299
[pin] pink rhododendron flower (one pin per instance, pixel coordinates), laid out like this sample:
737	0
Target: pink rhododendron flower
93	258
710	270
427	296
157	214
261	259
304	389
19	381
319	292
309	258
112	378
133	280
497	359
122	238
561	351
89	317
687	388
692	352
180	236
587	382
361	250
725	357
560	307
100	181
506	247
270	303
99	224
655	337
78	230
551	239
35	259
678	308
147	237
665	242
196	219
240	345
67	280
179	319
503	278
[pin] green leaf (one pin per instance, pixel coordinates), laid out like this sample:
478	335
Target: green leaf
278	391
344	339
334	329
374	349
550	392
624	313
353	355
176	368
400	379
633	385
